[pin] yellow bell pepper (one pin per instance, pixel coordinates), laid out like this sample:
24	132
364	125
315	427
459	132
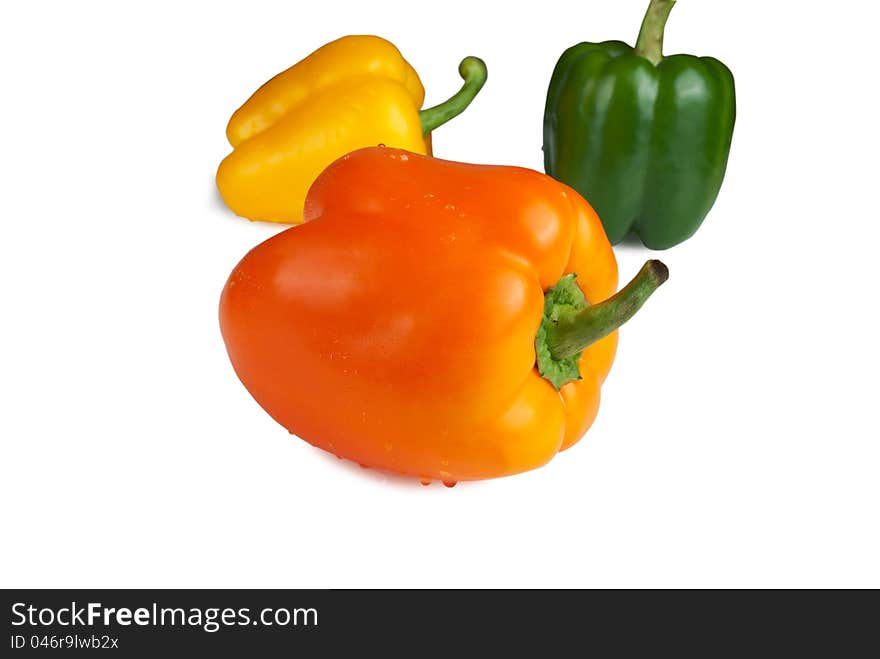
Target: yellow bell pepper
354	92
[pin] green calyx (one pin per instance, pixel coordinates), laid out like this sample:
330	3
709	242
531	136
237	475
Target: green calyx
570	323
566	297
474	73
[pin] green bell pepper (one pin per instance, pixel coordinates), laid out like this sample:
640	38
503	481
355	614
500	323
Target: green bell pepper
645	138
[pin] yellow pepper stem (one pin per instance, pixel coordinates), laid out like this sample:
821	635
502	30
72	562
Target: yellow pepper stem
473	71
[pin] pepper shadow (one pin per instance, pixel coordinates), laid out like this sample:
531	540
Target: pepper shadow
385	477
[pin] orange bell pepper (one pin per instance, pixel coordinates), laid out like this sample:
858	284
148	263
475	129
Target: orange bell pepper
399	326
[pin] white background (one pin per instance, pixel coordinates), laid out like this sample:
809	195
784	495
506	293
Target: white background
737	443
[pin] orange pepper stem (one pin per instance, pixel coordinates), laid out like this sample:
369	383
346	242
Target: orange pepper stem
650	42
571	323
575	330
473	71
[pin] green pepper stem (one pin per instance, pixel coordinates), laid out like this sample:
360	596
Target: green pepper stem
576	330
650	41
473	71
